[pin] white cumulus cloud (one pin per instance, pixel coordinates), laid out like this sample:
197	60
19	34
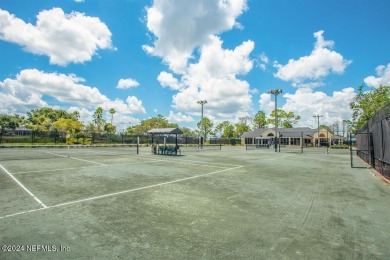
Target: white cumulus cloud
306	103
30	88
383	77
320	63
179	117
214	78
181	26
64	38
168	80
127	83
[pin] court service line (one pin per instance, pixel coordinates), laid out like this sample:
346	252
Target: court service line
120	192
23	187
187	162
65	156
103	164
82	167
202	163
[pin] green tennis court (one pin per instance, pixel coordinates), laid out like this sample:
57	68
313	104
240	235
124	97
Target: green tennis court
231	203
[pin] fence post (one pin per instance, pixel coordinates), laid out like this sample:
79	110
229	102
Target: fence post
371	148
350	149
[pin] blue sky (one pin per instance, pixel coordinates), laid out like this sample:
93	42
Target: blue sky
145	58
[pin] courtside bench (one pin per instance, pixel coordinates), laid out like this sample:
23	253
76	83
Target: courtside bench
168	150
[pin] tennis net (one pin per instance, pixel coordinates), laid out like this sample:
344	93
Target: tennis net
26	152
198	147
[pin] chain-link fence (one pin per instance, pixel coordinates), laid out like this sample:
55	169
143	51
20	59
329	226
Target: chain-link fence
28	136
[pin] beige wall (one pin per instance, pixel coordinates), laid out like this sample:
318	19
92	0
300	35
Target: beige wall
324	134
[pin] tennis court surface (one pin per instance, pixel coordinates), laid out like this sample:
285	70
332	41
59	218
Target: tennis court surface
231	203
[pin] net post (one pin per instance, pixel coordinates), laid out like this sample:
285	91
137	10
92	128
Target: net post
68	149
327	142
137	144
302	142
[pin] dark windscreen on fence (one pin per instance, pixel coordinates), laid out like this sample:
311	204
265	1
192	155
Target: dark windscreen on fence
373	141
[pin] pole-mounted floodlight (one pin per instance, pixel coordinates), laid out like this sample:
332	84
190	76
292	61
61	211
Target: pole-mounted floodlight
318	128
202	103
276	92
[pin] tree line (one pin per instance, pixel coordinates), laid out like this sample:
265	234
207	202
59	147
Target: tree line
49	119
364	106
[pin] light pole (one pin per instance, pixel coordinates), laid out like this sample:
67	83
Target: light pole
202	103
276	92
318	120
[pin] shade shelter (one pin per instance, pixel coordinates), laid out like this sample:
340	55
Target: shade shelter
165	131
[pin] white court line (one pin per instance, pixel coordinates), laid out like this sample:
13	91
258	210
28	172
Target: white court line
83	167
145	161
119	193
103	164
202	163
197	163
65	156
23	187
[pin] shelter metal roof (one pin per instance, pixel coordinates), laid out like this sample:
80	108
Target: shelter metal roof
165	131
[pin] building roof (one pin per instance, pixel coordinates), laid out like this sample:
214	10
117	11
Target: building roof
165	131
255	133
297	132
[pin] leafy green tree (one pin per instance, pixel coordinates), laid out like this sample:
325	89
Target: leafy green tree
285	119
228	132
76	115
70	127
90	128
242	128
42	119
109	128
187	132
221	127
206	125
365	104
151	123
10	121
47	112
40	123
130	130
260	119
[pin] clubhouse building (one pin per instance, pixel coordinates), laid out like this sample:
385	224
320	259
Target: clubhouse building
292	136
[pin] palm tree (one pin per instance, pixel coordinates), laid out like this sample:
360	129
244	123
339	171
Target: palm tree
112	112
98	118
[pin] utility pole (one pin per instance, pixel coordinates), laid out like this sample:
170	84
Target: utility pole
318	120
276	92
